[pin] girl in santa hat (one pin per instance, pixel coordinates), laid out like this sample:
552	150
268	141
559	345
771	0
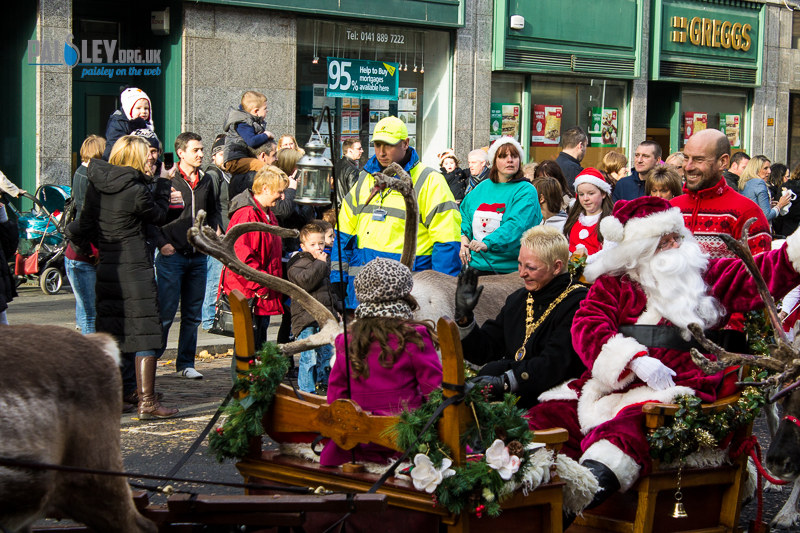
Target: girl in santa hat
594	203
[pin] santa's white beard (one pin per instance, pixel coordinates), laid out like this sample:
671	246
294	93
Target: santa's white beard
674	285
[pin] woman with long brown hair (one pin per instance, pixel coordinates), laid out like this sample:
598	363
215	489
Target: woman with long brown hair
392	358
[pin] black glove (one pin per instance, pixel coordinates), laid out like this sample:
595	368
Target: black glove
467	293
498	385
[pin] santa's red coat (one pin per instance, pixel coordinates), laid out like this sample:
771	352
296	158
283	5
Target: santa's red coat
600	397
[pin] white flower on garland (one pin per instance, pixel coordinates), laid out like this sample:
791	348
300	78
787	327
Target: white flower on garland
426	476
498	458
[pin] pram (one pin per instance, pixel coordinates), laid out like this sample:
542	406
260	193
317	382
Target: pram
40	230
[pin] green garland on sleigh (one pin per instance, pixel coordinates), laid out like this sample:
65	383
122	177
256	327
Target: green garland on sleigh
243	417
692	430
484	480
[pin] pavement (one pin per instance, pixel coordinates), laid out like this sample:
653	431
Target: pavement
155	446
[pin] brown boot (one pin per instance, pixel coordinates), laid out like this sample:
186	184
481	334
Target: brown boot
134	397
145	385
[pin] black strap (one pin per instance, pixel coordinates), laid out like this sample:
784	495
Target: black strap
456	388
669	337
452	400
202	435
314	443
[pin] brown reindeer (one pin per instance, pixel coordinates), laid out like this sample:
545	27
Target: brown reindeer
783	456
60	402
435	291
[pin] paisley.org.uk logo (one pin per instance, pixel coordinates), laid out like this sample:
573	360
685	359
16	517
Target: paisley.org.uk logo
97	57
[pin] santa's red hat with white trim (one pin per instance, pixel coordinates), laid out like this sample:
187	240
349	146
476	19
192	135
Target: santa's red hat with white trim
642	218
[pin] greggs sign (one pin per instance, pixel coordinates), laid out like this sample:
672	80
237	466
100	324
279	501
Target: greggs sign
711	33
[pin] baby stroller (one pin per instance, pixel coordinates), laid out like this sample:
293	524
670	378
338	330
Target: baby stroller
41	239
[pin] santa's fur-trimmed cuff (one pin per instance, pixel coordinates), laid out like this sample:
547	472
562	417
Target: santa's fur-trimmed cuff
559	392
596	406
613	360
793	249
623	466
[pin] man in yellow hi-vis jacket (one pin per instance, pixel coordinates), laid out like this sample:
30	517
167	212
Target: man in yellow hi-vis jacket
376	229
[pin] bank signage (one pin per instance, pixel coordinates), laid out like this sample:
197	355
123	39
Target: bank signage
708	41
356	78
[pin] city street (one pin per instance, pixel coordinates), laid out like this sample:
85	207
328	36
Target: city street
153	447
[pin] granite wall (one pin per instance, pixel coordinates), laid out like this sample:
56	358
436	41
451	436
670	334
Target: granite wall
472	78
53	99
230	50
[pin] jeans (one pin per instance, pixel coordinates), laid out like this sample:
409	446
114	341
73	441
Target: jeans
82	277
128	369
181	278
212	286
315	365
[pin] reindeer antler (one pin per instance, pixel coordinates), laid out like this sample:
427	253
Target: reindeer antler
396	178
207	241
782	359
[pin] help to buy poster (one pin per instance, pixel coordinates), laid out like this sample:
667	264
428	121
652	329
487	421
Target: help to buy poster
546	125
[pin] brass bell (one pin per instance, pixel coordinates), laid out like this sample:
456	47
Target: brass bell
679	511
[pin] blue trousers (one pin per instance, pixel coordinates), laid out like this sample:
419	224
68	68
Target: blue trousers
212	285
315	365
181	279
82	278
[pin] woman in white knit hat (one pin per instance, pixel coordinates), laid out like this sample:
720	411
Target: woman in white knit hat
496	213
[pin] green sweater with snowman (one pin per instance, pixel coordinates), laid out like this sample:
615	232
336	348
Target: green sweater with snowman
497	214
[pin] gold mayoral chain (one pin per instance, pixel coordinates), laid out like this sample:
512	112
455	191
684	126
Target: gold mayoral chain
531	326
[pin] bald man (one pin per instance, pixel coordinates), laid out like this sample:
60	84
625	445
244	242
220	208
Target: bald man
709	205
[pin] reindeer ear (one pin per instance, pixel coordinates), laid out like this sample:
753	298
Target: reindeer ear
612	229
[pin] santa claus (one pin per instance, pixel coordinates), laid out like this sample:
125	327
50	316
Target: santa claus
631	333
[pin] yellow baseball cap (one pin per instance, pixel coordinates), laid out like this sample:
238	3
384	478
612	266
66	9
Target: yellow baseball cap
390	130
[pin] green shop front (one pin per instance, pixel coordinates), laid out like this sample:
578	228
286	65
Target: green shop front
706	61
563	63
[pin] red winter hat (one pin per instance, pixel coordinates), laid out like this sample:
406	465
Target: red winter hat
644	217
594	177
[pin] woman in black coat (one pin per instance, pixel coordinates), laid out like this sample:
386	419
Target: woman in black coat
118	207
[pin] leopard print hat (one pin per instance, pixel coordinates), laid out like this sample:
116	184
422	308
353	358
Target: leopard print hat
380	288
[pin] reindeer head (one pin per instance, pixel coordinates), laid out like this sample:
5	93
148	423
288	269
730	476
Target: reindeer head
207	241
783	457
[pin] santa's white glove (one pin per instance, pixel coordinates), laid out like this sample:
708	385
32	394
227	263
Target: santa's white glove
653	372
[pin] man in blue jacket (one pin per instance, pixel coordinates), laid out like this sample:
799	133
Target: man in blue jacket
647	156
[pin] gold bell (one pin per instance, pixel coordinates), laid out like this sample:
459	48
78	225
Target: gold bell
679	511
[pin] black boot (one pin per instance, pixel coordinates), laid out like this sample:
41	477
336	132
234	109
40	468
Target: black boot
609	484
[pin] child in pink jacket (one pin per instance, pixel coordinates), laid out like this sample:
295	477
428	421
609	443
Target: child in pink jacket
393	359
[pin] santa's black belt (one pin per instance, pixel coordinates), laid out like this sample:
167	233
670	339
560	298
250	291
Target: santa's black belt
669	337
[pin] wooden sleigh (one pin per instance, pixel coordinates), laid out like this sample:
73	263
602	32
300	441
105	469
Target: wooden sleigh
344	422
712	496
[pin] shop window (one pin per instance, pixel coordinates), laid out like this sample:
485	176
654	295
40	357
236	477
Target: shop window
724	110
597	106
794	131
506	118
424	83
